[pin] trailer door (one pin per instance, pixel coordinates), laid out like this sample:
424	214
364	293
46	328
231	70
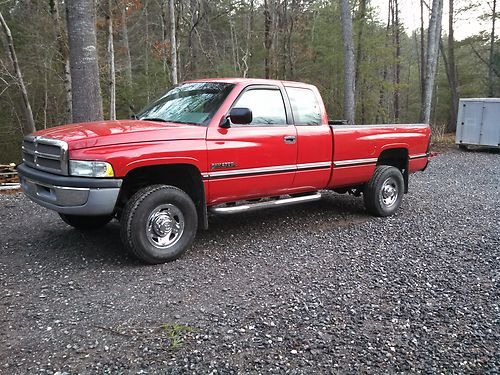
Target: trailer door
490	132
469	122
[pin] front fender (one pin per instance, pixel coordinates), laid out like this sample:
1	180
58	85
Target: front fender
127	157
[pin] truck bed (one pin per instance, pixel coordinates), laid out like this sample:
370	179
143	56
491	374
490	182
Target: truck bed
352	165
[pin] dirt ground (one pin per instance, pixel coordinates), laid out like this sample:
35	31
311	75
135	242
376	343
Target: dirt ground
321	287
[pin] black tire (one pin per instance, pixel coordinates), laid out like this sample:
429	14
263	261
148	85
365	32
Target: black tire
153	218
384	192
86	222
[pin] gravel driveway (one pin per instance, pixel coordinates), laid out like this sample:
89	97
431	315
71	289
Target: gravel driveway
318	288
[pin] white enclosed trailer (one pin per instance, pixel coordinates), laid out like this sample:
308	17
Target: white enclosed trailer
478	122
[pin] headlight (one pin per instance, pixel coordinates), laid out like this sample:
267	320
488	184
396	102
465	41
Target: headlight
85	168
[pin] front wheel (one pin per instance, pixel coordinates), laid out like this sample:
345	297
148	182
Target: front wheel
384	192
86	222
159	223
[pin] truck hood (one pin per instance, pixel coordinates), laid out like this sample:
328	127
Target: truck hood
104	133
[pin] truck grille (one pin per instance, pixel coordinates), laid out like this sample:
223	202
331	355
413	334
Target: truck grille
50	155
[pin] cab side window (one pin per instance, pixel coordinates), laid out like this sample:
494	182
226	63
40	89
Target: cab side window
267	106
305	106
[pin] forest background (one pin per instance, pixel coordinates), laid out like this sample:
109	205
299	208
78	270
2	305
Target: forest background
144	46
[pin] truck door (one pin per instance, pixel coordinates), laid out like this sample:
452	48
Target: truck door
256	159
314	139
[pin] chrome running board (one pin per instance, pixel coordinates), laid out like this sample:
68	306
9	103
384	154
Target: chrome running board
268	204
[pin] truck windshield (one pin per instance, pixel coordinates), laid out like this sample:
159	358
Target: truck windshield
189	103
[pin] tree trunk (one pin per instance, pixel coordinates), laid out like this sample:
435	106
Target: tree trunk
86	92
63	51
452	73
349	63
45	96
491	86
111	62
173	43
146	50
178	24
419	62
248	40
166	23
126	47
408	85
234	48
359	56
192	45
432	55
283	25
382	115
267	39
30	123
422	52
164	36
397	75
290	50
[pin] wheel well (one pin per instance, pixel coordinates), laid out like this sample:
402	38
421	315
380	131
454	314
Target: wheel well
184	176
396	157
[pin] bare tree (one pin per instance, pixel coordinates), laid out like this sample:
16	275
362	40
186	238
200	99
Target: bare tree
194	7
422	51
491	86
268	40
164	36
382	114
86	93
63	52
434	35
11	52
249	33
234	47
349	63
173	43
451	70
111	60
359	57
397	44
146	48
126	46
290	19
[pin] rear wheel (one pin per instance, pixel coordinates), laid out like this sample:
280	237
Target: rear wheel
159	223
384	192
86	222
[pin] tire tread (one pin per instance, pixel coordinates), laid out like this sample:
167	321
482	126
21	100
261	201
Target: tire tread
128	213
370	192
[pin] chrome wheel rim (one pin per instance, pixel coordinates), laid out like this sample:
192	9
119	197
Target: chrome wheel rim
389	192
165	226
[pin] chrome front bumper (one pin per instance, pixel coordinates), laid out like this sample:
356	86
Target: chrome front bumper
70	195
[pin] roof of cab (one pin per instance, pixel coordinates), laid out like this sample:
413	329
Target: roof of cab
247	81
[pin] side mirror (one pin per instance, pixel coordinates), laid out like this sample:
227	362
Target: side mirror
239	116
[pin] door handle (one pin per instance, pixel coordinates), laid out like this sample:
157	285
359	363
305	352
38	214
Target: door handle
289	139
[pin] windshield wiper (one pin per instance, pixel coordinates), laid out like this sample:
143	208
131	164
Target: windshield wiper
163	120
154	119
186	122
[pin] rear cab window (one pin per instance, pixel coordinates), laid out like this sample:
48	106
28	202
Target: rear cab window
305	106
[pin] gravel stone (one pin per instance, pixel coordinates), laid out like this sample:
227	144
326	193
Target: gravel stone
322	287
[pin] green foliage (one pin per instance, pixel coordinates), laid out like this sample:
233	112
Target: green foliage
175	333
228	39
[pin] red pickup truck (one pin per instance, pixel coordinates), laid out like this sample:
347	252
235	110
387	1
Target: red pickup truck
218	145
